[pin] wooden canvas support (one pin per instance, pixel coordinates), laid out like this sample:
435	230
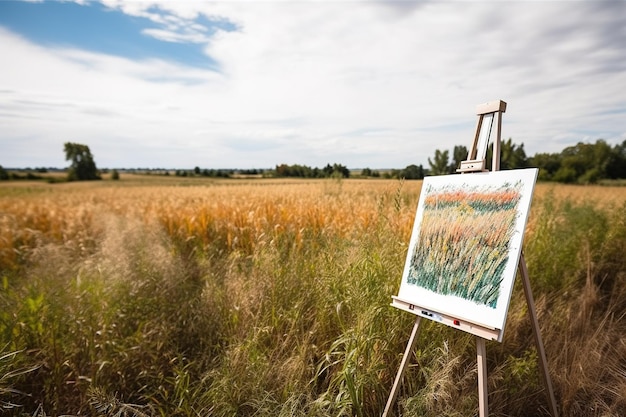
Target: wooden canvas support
403	364
541	353
476	162
481	363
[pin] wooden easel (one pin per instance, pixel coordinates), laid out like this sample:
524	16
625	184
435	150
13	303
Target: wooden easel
476	162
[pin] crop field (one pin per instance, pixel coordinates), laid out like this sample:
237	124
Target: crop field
155	296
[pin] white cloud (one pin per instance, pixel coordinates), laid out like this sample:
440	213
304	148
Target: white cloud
174	36
363	84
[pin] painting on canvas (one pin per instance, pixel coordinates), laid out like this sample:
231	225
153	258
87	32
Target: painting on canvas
466	243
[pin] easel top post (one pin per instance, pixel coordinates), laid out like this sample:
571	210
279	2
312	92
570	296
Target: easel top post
476	157
491	107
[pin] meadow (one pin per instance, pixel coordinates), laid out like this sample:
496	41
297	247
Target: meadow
155	296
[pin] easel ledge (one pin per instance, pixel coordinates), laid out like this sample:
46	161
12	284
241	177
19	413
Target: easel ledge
488	333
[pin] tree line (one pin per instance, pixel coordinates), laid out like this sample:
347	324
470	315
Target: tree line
303	171
583	163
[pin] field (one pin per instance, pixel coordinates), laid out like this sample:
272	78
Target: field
155	296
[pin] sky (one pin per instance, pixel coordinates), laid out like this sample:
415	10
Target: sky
253	84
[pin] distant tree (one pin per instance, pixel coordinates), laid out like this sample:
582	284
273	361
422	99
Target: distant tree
585	162
281	170
575	161
196	170
115	175
459	154
83	166
4	175
392	173
368	172
512	156
548	164
252	171
412	172
616	166
327	170
565	174
341	170
440	164
303	171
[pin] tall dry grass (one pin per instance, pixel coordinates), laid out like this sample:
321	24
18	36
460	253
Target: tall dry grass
267	297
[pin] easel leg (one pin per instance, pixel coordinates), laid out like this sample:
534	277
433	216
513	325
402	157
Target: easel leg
481	356
543	362
403	365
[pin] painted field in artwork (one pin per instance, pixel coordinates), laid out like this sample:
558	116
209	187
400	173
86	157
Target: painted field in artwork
463	245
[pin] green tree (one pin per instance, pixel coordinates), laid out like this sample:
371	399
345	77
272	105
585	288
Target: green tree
583	163
512	156
4	175
459	154
616	166
412	172
83	166
440	164
341	170
393	173
587	162
548	164
565	174
327	170
368	172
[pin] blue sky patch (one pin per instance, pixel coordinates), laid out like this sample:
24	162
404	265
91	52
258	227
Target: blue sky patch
96	28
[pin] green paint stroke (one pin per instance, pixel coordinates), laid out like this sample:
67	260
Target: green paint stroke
464	239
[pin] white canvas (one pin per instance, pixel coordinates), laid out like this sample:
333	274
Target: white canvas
466	243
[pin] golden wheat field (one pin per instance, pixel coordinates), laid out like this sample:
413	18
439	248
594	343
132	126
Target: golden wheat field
270	297
238	213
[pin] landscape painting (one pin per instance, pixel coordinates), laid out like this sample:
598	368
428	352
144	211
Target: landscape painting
466	242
